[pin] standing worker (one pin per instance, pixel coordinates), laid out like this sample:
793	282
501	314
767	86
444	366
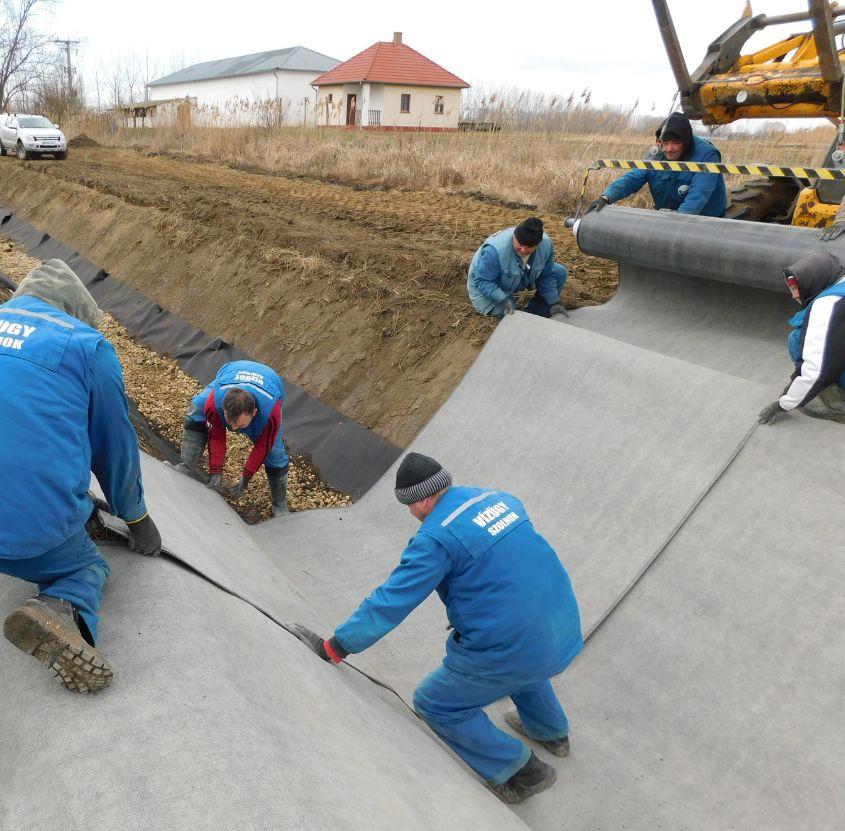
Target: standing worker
244	397
817	341
513	260
682	191
514	618
64	415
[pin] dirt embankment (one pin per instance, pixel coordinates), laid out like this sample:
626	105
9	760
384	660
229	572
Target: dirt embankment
358	296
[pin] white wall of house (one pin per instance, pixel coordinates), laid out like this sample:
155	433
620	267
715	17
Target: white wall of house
384	105
239	100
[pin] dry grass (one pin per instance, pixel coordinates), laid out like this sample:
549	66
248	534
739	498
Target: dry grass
539	165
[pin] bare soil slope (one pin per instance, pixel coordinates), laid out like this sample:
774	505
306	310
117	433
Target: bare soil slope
357	295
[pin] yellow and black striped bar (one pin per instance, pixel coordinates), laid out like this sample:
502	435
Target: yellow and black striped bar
716	167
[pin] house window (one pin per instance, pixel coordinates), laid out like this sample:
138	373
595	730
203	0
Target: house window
438	104
405	103
329	98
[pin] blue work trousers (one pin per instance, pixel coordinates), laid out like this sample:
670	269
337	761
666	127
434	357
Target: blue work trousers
793	343
74	571
451	704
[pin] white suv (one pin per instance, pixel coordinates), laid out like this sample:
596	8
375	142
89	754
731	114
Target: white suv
30	136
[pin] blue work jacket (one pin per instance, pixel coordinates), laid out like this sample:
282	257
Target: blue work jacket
507	596
497	271
705	193
64	415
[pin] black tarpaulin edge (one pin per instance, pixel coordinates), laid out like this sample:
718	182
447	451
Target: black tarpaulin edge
346	455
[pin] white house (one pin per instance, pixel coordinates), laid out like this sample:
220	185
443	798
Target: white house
389	87
267	87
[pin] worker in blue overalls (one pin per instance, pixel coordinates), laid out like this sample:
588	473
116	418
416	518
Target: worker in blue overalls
244	397
64	415
514	620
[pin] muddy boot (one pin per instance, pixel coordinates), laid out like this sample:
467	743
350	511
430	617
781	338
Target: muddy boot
47	628
277	477
560	747
828	404
534	777
193	443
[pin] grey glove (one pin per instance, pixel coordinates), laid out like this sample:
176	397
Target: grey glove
237	491
597	204
558	309
832	231
214	481
669	210
771	413
144	537
508	306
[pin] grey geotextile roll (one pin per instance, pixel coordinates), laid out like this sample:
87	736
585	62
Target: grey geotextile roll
55	283
418	477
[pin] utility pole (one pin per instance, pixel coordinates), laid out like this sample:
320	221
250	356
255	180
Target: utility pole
67	45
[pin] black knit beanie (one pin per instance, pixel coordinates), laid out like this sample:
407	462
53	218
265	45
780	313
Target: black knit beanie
419	477
529	231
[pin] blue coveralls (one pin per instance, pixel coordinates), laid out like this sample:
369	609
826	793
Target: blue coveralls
266	388
497	271
706	195
63	416
515	624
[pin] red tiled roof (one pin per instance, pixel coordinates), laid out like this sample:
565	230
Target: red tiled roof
390	63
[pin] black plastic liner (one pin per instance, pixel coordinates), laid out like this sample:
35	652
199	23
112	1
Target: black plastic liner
346	455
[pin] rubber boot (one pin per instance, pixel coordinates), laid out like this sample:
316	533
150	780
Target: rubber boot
48	629
560	747
828	404
193	444
533	777
277	477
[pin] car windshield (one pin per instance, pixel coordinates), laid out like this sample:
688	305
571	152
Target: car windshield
34	121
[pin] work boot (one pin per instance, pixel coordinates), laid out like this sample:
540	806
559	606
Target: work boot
560	747
47	628
533	777
193	444
828	404
277	477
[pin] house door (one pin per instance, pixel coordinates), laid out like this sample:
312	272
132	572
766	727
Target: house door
351	104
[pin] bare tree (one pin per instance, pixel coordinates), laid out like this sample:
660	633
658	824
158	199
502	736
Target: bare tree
23	48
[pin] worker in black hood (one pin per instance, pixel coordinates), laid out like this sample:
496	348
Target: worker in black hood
682	191
817	341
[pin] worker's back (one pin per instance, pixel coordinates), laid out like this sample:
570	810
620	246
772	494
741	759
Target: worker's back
508	597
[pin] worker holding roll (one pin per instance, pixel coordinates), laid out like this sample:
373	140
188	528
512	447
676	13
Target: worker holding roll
817	341
682	191
513	617
244	397
64	415
516	259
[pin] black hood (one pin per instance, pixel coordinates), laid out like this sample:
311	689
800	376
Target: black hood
814	273
677	126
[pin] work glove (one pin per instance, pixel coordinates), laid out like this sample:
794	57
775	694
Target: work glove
832	231
508	306
558	309
597	204
329	650
214	481
669	210
237	491
193	472
144	537
771	413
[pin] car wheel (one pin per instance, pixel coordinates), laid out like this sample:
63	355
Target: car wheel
2	149
60	156
22	153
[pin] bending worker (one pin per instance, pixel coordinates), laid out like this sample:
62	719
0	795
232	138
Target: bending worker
514	617
817	341
513	260
244	397
682	191
64	415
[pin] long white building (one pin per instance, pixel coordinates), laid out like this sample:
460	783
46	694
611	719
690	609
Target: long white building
267	87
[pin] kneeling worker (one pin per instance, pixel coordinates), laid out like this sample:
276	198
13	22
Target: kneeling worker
244	397
514	616
512	260
64	415
682	191
817	341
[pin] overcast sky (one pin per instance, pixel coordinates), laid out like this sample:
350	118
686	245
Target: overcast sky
556	46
